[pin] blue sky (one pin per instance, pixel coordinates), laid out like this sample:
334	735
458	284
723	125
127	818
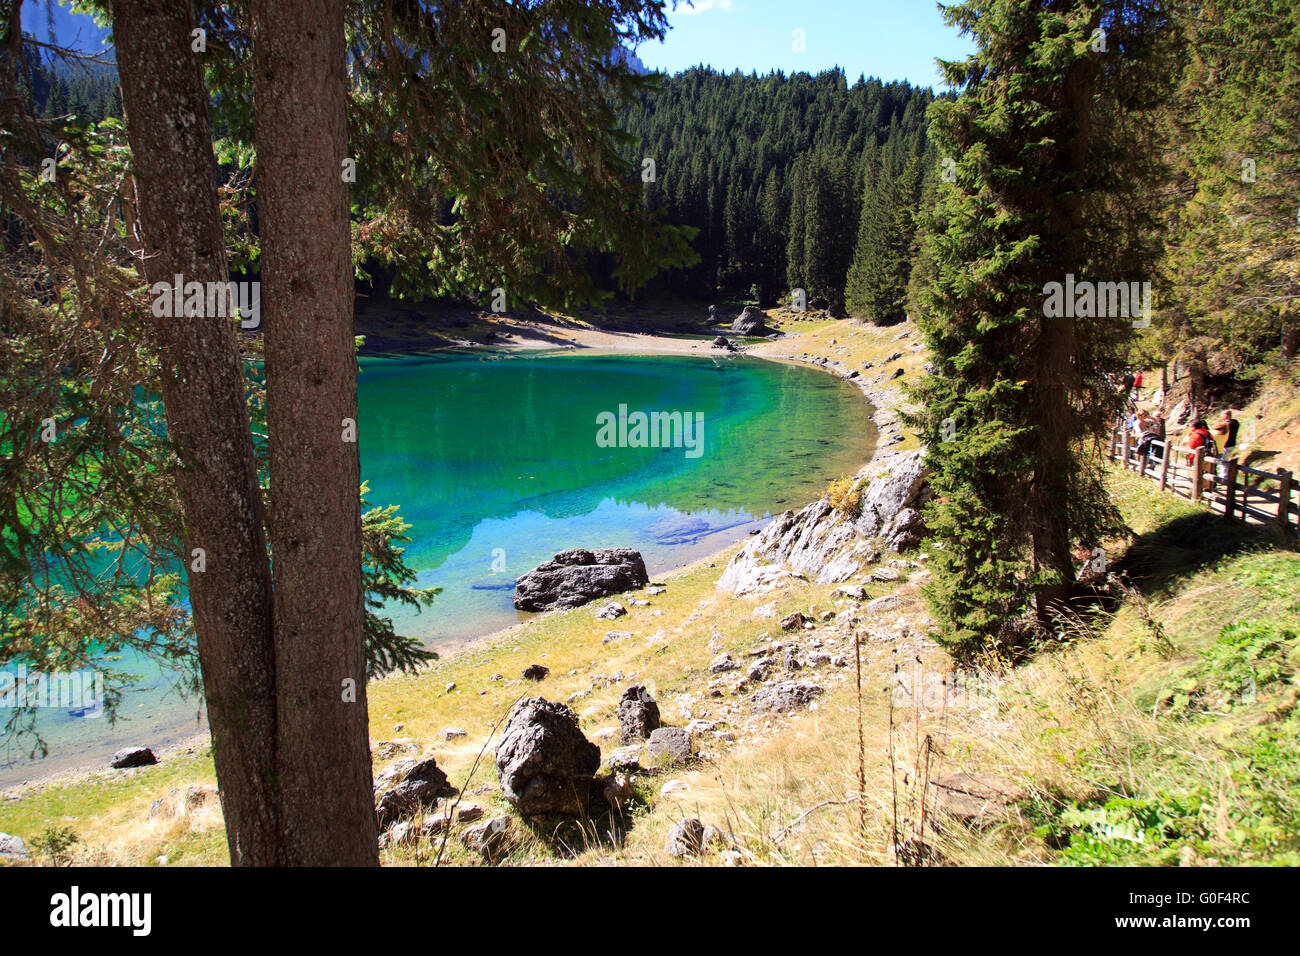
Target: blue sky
891	39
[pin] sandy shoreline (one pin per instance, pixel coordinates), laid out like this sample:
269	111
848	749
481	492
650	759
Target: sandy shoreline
513	336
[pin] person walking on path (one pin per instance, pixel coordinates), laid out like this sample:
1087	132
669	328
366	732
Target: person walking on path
1227	427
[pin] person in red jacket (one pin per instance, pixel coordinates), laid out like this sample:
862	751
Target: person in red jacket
1201	438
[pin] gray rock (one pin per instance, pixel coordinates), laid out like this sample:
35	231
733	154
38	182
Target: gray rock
686	838
751	321
611	636
670	745
784	696
536	672
574	577
625	758
759	670
544	762
13	849
638	715
133	757
722	662
451	733
492	840
792	621
421	787
824	543
611	611
886	603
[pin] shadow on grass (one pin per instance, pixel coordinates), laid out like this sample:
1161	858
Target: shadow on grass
603	825
1186	544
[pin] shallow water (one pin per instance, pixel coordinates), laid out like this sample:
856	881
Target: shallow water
496	464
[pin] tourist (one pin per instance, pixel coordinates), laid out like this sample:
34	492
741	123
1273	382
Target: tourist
1227	427
1201	438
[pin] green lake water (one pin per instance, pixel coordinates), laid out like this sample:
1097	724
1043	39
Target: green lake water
495	462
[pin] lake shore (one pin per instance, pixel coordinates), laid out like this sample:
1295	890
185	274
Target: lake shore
804	340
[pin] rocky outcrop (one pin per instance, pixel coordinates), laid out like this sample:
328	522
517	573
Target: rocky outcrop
544	762
829	545
574	577
751	321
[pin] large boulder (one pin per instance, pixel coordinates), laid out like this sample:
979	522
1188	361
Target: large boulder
544	762
133	757
574	577
751	321
638	715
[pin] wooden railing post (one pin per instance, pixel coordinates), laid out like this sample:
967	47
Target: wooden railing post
1230	496
1198	473
1164	465
1124	447
1284	499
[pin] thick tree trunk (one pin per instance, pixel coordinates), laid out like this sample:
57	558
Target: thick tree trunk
300	115
203	393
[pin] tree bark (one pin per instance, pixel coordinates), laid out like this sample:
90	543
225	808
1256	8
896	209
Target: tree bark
203	391
300	122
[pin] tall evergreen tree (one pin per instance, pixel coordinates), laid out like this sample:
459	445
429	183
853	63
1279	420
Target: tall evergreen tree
1051	138
882	258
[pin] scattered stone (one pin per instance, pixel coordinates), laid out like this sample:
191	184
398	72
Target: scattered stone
13	849
451	685
674	786
655	589
637	602
723	662
784	696
421	787
133	757
790	662
544	762
669	746
759	670
451	733
611	611
792	621
885	575
638	715
536	672
854	591
886	603
627	759
496	677
492	840
611	636
686	838
574	577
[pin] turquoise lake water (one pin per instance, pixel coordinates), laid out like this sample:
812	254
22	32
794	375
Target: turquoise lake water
496	464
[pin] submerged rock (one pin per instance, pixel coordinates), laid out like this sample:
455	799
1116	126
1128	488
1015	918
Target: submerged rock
574	577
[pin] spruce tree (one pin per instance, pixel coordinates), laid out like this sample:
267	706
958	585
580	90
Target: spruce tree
1051	147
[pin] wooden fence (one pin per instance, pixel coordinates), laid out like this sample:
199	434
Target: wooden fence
1222	484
